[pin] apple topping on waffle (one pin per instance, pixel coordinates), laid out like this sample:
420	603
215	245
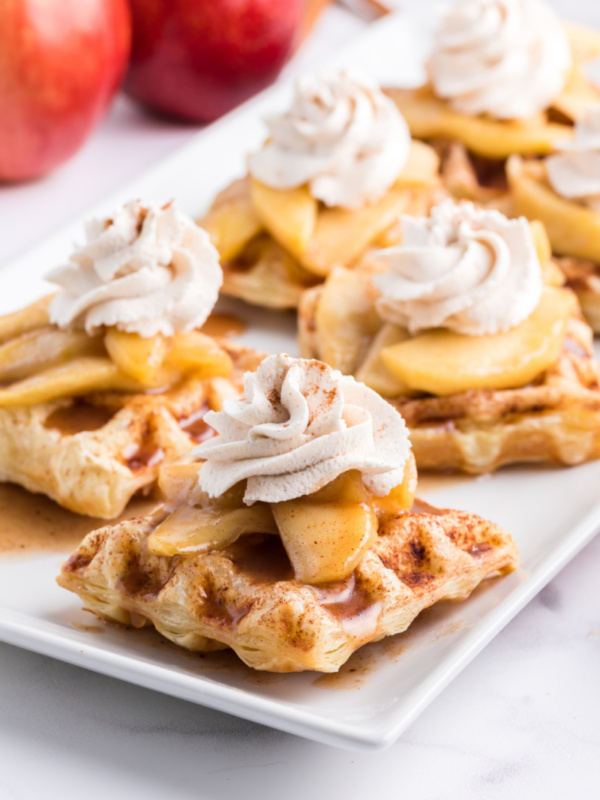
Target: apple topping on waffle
297	540
477	110
120	338
338	169
563	191
461	327
502	110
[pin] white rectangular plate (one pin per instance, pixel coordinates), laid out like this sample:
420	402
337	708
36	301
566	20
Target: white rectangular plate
552	513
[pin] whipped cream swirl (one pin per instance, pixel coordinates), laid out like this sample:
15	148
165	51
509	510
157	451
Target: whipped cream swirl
505	58
466	269
301	425
342	136
144	270
574	172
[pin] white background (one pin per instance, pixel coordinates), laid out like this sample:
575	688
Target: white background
522	720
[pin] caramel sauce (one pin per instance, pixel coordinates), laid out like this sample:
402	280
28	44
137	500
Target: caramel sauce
195	426
262	558
144	457
32	523
223	613
79	417
350	603
223	325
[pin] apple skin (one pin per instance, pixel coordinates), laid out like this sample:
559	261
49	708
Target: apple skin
197	59
61	62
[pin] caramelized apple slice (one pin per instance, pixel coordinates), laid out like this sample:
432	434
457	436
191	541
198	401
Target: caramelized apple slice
348	488
178	482
77	377
346	319
552	273
584	41
422	167
429	117
324	541
195	352
374	372
402	497
573	229
139	357
442	362
578	94
191	529
289	215
341	236
232	221
25	319
42	348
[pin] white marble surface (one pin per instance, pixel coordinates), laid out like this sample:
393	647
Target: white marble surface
522	720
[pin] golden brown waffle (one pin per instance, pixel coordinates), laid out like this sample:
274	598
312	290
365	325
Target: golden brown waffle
245	597
92	454
557	418
265	275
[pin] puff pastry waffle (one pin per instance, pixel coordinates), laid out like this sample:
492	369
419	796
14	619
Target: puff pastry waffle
92	454
244	597
556	418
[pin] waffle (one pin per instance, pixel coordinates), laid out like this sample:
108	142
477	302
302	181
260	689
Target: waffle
93	454
557	418
245	598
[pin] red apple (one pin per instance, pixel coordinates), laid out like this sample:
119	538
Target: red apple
197	59
60	63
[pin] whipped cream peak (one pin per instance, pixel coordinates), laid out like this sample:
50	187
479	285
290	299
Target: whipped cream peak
342	136
574	172
506	58
299	426
470	270
144	270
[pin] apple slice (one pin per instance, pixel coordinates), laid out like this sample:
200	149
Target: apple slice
139	357
178	482
42	348
190	529
584	41
429	117
289	215
573	229
346	319
25	319
324	541
374	372
441	362
422	167
232	221
402	497
77	377
341	235
578	94
195	352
